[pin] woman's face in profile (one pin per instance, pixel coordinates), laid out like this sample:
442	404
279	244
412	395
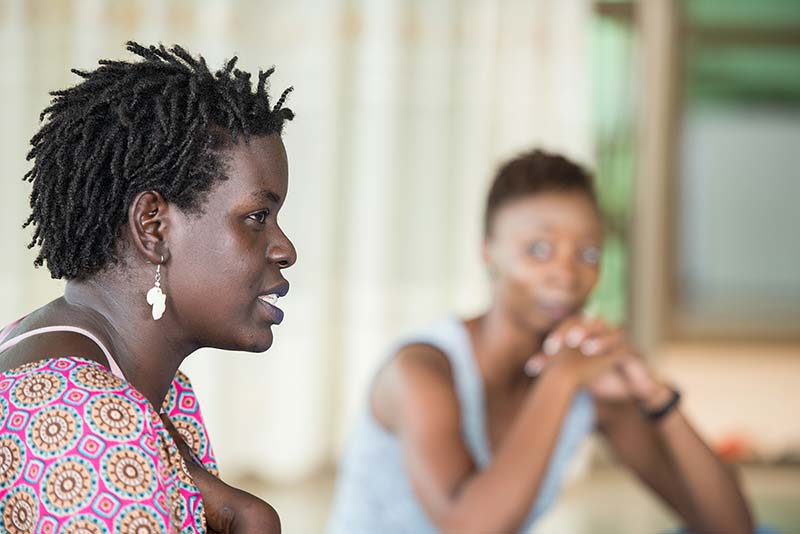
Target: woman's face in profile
224	272
544	254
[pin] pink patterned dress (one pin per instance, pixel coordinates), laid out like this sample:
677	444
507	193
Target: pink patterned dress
82	451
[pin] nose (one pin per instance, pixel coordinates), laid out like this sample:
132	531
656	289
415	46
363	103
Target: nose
563	273
281	251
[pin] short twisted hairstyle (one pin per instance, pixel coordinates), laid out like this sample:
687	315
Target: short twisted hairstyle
127	127
532	173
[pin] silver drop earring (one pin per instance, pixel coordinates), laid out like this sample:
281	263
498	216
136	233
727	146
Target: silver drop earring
155	297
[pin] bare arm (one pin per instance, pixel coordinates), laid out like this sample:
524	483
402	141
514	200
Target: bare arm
414	398
667	455
701	488
637	445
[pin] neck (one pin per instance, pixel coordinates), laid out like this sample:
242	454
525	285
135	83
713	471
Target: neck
502	346
147	351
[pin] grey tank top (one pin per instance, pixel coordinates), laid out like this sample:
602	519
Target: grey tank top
373	492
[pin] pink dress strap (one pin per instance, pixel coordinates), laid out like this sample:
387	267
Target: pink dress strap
7	344
7	330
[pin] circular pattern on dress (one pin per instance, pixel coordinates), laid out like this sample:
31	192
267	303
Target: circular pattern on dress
136	519
38	389
113	416
177	508
183	380
69	485
26	368
20	511
185	479
191	433
53	431
12	459
129	472
200	512
169	401
95	378
3	411
84	524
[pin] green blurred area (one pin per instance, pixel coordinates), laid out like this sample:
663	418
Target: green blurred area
763	13
735	54
742	52
613	102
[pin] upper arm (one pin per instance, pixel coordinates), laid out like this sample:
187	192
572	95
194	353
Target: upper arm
414	398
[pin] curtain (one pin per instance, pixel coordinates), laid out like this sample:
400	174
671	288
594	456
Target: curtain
404	110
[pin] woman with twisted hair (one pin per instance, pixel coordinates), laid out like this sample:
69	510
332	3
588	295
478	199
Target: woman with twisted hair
155	190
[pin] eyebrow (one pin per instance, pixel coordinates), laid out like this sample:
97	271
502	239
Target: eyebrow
266	195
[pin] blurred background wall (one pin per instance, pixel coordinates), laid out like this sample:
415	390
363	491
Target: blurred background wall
403	111
688	110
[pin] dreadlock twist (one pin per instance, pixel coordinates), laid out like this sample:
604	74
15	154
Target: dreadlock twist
155	124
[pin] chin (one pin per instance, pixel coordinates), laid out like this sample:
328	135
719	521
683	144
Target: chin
542	324
258	341
261	346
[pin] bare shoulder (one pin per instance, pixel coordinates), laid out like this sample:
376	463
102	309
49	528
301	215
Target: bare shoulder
47	345
50	345
416	383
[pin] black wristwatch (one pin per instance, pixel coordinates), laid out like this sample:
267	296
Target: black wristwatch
660	412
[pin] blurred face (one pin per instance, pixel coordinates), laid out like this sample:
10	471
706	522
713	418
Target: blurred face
543	255
224	278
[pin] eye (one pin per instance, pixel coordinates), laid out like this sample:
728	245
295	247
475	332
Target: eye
260	216
590	255
541	249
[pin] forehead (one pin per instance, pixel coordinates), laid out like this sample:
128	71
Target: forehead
571	214
254	166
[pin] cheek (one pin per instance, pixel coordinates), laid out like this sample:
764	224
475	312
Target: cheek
204	258
589	276
524	272
521	278
211	262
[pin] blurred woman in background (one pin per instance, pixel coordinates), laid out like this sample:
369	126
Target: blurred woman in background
156	189
471	424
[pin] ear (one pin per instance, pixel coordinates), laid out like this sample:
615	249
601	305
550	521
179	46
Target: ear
148	223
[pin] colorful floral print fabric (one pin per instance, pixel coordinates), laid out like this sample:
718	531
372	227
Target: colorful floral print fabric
82	451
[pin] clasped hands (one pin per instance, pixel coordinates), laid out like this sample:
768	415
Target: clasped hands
626	377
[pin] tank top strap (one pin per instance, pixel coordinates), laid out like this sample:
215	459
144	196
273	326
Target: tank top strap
8	343
7	330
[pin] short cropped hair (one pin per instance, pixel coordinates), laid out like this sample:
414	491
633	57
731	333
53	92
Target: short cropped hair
532	173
